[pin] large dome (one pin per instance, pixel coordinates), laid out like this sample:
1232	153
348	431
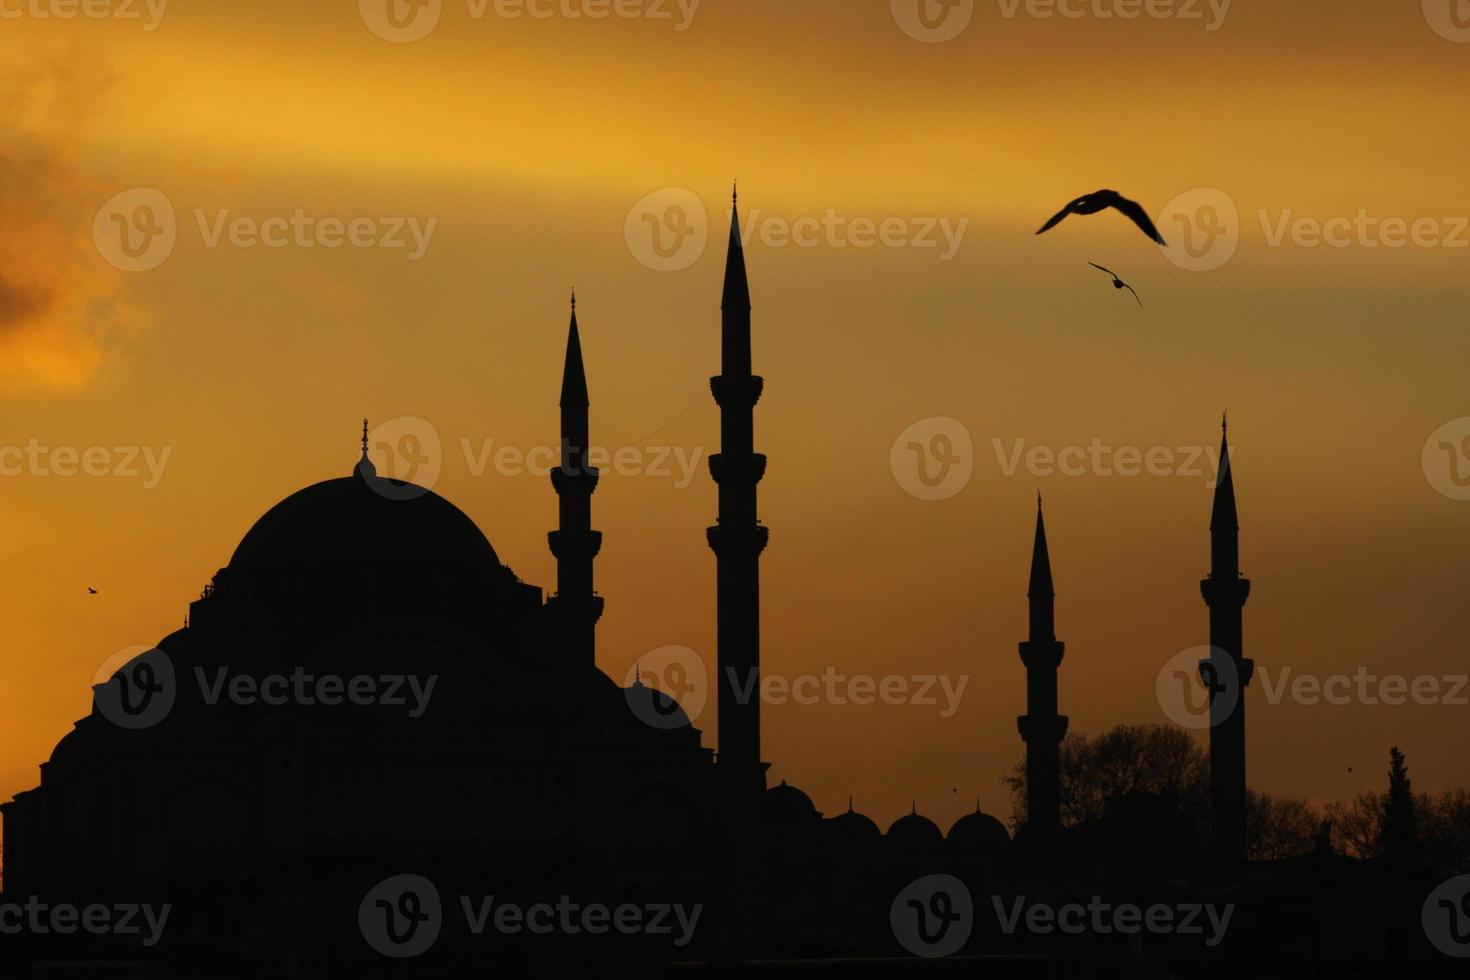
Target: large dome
363	519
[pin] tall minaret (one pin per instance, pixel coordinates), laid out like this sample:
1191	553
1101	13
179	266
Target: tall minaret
575	544
738	540
1042	729
1226	679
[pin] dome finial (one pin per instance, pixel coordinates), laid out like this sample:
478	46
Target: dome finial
364	465
574	299
849	802
735	191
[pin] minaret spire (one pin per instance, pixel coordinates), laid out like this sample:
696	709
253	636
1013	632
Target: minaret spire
1227	672
1224	521
576	606
1041	727
737	539
1040	593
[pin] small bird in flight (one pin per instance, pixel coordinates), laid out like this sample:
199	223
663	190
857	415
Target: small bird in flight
1101	201
1118	283
91	591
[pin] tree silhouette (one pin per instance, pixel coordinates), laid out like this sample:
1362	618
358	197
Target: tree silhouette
1400	837
1125	759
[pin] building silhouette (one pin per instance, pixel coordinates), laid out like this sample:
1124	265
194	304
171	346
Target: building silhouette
264	819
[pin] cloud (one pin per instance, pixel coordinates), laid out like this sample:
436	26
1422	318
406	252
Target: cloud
60	306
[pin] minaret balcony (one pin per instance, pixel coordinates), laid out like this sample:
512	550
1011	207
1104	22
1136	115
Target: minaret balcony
1042	728
737	392
576	610
735	542
738	470
581	480
1224	590
575	544
1042	654
1243	668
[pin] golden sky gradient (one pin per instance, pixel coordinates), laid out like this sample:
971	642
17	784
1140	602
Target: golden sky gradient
528	141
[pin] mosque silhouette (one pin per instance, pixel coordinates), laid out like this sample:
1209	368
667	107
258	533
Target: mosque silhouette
470	746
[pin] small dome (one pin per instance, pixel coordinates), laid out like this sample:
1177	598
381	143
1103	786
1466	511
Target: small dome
363	519
915	831
785	802
653	707
979	832
853	824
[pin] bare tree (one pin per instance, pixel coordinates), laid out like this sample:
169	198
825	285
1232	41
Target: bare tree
1278	827
1125	759
1357	824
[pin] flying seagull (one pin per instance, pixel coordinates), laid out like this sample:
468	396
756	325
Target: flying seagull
91	591
1118	283
1101	201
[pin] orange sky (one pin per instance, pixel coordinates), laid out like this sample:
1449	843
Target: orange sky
528	141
